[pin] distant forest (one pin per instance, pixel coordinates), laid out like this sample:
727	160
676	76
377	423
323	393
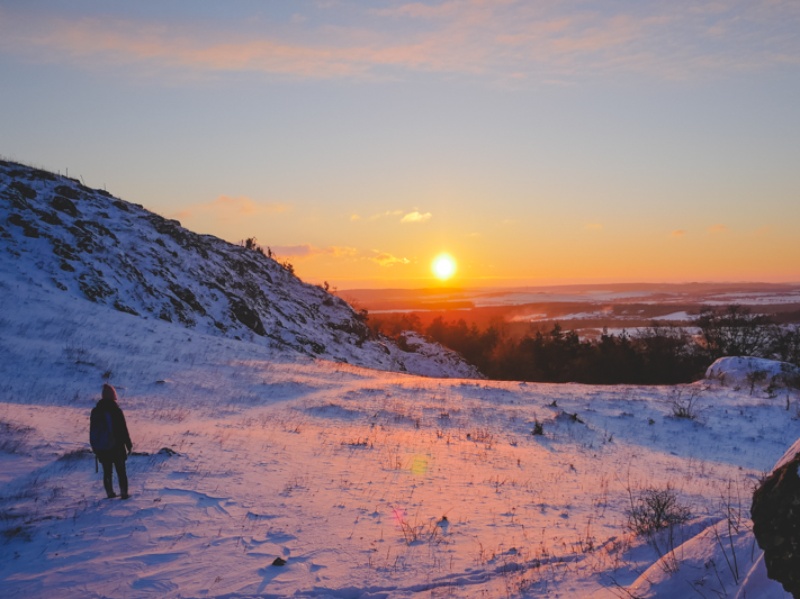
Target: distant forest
656	354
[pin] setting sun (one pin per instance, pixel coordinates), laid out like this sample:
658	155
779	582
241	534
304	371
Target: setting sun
443	266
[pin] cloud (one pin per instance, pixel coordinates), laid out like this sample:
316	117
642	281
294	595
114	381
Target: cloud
419	10
307	250
406	217
119	42
763	230
498	39
387	214
294	251
386	259
416	217
678	233
226	208
342	251
718	229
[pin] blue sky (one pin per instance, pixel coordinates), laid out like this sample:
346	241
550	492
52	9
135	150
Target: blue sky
536	142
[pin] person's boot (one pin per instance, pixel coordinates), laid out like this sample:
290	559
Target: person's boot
109	489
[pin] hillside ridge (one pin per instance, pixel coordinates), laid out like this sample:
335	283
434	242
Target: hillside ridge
57	232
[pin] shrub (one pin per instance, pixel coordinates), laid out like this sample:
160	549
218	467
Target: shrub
684	406
655	509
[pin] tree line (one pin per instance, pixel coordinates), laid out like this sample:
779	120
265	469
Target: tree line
658	354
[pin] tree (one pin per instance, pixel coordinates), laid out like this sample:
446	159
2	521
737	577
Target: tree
734	331
669	356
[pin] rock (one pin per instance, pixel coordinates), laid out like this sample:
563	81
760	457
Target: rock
776	524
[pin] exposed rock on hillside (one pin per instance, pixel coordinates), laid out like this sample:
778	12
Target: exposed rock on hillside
57	232
776	523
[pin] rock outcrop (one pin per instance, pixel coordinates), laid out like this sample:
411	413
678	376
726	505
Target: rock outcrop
776	523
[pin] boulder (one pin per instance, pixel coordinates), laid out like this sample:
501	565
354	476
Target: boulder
776	522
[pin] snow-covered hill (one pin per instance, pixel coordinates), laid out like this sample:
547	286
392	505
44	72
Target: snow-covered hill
367	483
58	234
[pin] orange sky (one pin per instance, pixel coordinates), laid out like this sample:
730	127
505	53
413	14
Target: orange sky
535	142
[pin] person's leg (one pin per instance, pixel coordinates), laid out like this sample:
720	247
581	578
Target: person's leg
107	481
122	475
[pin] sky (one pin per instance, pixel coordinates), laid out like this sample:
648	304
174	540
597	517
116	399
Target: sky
535	142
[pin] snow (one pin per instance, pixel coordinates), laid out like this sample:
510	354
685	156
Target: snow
741	371
710	294
674	316
61	235
538	316
368	483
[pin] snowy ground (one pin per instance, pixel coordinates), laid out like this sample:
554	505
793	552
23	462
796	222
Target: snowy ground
369	484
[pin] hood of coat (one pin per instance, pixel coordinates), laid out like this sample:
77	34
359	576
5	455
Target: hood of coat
109	405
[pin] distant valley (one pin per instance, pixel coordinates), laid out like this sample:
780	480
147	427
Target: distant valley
585	308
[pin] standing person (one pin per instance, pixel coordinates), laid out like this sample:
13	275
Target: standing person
111	443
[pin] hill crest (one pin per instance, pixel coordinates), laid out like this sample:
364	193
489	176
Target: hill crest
59	233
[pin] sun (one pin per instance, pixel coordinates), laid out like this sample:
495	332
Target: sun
443	267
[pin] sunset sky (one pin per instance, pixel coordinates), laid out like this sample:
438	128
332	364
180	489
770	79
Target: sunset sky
536	142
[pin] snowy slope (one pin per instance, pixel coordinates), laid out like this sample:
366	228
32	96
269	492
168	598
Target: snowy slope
368	483
58	234
750	372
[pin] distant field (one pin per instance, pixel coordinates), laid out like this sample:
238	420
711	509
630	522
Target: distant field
587	308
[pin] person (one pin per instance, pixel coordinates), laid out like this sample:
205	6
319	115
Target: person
115	446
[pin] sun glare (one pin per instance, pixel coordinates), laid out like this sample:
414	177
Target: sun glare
443	267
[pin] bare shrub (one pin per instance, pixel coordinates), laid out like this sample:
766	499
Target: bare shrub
429	531
685	405
655	509
735	519
755	378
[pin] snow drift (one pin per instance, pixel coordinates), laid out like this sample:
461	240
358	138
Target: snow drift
750	372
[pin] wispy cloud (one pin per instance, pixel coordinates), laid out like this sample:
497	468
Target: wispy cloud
308	250
226	208
718	229
416	217
387	214
386	259
551	41
678	233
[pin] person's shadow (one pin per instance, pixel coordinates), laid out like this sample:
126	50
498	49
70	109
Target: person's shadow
268	573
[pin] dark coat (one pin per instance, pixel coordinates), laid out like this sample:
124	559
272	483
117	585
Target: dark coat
122	440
